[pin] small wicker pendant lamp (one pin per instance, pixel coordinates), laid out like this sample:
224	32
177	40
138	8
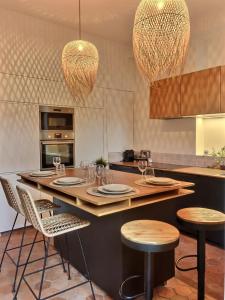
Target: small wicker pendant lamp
80	64
160	37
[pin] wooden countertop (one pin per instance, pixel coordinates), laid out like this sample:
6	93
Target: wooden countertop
210	172
202	171
100	206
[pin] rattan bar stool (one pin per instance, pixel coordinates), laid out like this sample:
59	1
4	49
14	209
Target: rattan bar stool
150	237
43	205
50	227
200	220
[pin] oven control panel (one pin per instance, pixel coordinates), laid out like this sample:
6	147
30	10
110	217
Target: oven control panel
55	135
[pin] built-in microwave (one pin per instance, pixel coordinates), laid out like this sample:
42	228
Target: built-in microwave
56	118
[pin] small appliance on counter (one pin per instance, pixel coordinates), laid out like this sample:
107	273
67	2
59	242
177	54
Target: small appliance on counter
131	155
128	155
143	155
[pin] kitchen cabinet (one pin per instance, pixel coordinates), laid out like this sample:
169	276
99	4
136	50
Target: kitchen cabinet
222	108
165	99
200	92
197	93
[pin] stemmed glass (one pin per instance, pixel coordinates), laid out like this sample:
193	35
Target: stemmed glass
56	162
142	165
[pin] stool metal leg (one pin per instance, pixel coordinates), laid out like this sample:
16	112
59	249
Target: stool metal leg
68	256
201	265
25	266
148	276
7	243
85	263
46	247
19	255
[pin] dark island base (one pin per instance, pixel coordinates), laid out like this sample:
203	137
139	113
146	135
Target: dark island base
109	261
209	193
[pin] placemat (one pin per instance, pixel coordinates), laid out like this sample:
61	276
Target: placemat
71	186
94	192
142	182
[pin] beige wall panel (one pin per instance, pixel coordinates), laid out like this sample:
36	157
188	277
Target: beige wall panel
18	89
89	134
19	137
119	116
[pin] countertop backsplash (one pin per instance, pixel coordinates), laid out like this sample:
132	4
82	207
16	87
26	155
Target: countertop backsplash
170	158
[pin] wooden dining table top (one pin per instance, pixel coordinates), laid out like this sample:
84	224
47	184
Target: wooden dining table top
80	192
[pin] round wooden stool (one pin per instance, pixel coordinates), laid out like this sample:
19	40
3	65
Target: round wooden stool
201	220
150	237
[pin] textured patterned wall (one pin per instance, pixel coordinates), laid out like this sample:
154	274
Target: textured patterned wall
163	136
31	74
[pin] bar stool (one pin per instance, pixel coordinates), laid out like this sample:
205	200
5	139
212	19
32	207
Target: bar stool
43	205
150	237
200	220
50	227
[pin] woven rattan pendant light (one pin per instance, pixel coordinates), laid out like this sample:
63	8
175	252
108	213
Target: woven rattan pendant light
160	37
80	64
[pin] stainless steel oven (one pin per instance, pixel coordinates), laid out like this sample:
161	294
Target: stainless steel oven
56	135
64	149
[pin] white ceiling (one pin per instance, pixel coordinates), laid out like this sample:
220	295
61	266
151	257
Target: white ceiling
112	19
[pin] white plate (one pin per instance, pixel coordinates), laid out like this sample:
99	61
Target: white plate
69	180
102	190
42	173
116	187
161	181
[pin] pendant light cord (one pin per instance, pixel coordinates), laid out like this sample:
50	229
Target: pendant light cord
79	21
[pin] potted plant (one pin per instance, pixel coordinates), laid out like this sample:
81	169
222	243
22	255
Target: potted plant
101	161
219	157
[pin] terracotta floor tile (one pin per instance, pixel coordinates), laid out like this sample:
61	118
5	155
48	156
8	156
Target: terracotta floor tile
182	287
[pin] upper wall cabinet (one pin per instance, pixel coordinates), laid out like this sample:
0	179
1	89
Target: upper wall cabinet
191	94
223	89
200	92
165	99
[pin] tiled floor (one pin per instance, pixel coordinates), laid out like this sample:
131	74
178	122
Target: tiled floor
182	287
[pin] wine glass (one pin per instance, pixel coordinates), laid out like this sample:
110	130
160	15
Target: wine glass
56	162
149	173
142	165
100	169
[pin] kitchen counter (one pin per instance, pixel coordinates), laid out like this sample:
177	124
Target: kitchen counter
160	166
209	187
210	172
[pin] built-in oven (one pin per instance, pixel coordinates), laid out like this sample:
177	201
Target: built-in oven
50	149
56	135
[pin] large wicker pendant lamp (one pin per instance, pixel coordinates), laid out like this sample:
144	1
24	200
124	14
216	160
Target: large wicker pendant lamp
160	37
80	64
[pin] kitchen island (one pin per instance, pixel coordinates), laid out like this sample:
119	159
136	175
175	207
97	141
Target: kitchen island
109	260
